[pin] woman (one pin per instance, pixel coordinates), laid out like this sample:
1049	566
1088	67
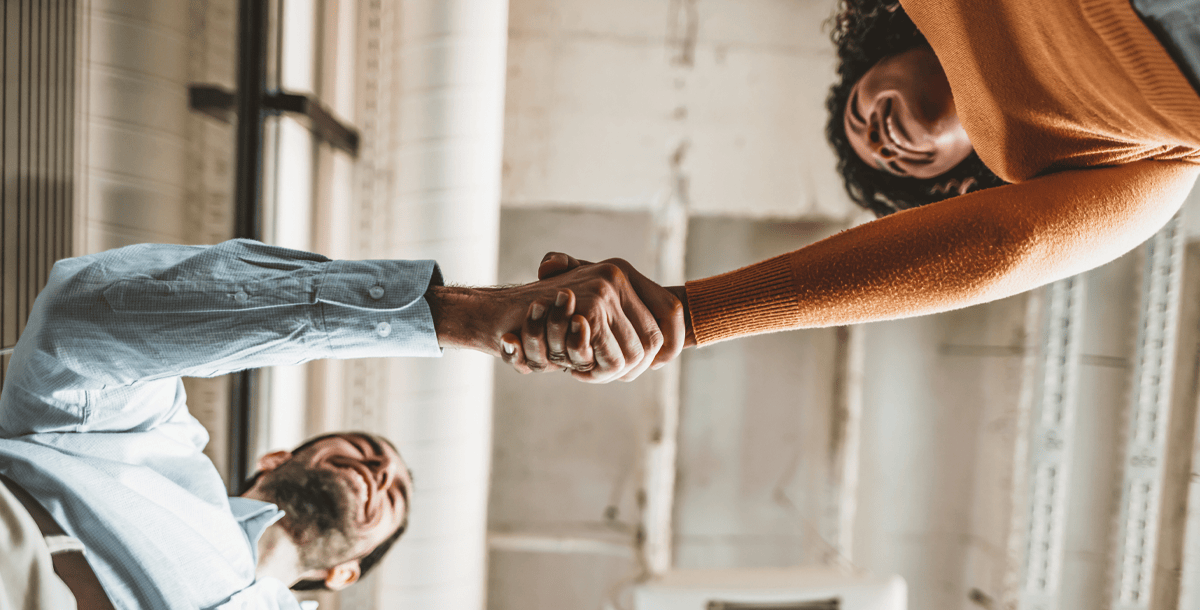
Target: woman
1056	135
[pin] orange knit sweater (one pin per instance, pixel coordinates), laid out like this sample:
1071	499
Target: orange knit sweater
1073	101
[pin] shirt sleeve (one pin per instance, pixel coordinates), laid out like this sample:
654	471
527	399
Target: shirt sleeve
113	331
963	251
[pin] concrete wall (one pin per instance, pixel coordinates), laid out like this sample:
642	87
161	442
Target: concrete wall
755	423
609	102
568	458
938	423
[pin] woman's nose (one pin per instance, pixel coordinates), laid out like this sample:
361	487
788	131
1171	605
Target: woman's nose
879	147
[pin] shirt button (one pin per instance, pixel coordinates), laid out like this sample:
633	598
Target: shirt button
241	297
383	328
376	292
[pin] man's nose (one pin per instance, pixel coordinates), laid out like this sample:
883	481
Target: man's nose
384	471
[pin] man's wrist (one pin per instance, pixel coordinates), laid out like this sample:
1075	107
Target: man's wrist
472	318
449	306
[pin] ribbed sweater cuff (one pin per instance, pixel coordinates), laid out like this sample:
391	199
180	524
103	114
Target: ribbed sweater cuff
756	299
1143	58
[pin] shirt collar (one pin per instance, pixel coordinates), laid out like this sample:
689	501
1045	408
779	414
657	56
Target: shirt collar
254	517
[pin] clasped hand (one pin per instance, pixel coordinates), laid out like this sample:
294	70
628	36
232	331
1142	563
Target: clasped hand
605	321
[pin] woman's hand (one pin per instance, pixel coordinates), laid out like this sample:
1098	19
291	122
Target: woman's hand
551	341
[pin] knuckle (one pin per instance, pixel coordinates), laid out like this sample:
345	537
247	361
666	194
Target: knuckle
655	340
675	308
618	262
609	271
618	364
636	351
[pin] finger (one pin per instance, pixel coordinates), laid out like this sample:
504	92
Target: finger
673	325
555	263
579	345
609	357
640	340
533	337
556	327
512	354
639	335
657	314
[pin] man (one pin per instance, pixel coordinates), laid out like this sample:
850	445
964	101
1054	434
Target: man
98	451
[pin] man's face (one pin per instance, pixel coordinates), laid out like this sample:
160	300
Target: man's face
373	476
343	495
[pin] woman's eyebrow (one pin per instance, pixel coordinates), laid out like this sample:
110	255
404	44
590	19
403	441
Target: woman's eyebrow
890	167
854	107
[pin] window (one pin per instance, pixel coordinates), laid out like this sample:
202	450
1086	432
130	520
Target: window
37	152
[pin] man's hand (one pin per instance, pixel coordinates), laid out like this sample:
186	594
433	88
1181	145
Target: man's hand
623	337
551	343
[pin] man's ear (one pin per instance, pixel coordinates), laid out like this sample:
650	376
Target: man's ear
342	575
273	460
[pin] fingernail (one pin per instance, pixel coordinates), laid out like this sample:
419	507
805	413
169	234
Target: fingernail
574	326
536	313
509	348
658	366
560	300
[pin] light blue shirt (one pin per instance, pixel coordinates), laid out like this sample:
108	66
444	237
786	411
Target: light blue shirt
94	421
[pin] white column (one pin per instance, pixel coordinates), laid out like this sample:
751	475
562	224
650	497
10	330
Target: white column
1145	423
432	111
1043	501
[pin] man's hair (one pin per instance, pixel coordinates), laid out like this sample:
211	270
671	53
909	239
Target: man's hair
367	562
864	32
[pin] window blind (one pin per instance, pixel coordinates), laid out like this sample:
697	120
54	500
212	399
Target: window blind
37	134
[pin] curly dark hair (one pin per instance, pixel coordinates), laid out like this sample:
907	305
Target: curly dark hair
864	32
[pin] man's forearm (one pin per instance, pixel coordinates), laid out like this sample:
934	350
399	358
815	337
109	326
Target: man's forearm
473	318
155	311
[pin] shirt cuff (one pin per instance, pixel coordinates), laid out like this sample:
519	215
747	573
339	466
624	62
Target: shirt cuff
377	309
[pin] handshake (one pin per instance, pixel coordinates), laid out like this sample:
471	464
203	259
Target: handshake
600	321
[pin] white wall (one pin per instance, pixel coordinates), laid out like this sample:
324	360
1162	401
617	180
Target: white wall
609	102
756	429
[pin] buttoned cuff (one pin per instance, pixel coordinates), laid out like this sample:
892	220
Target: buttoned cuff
374	309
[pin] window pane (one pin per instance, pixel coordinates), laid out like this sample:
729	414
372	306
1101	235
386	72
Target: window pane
297	46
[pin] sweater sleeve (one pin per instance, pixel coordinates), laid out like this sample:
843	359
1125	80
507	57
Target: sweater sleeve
963	251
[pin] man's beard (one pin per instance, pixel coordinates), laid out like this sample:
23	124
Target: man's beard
319	513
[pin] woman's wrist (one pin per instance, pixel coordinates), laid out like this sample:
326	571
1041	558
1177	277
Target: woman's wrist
680	292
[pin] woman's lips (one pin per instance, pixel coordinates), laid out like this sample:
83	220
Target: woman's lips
893	131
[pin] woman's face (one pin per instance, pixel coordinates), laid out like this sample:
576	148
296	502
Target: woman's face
901	118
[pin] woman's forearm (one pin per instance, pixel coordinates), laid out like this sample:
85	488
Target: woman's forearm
960	252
